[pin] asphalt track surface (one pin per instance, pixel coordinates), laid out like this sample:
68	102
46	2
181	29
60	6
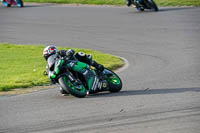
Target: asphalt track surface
161	92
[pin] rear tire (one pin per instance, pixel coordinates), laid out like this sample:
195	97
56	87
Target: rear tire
62	91
140	9
71	88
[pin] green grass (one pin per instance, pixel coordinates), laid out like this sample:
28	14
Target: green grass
178	2
22	66
120	2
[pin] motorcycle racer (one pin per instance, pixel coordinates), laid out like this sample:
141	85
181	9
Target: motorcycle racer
78	62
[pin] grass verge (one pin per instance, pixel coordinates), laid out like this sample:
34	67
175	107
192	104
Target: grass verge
178	2
22	66
120	2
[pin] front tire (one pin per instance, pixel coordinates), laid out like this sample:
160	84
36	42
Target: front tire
20	3
154	7
77	91
114	82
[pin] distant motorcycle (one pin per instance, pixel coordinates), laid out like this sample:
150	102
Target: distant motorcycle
145	4
9	3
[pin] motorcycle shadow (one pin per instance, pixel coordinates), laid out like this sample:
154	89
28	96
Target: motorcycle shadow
166	9
35	5
145	92
25	6
162	9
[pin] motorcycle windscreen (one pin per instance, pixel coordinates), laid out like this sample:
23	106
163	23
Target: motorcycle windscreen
51	62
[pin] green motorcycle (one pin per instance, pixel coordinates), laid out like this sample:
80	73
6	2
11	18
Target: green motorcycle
73	83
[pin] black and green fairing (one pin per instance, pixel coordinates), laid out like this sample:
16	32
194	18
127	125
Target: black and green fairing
111	77
85	70
55	64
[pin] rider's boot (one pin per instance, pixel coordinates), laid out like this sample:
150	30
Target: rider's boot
140	8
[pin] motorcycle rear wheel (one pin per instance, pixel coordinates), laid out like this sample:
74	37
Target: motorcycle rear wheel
62	91
74	90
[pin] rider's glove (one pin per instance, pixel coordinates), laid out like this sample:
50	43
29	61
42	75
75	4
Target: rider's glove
62	53
97	65
100	67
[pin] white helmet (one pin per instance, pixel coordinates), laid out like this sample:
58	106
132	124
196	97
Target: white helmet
49	50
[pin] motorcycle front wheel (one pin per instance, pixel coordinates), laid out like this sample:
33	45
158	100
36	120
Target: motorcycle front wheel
75	90
20	3
153	5
114	81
